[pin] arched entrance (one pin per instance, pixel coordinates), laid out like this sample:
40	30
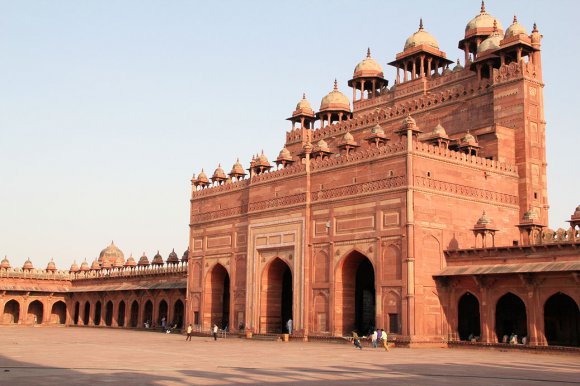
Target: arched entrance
11	313
58	313
87	314
355	295
98	313
148	313
134	320
217	297
162	313
510	317
468	321
35	312
178	314
562	321
77	313
121	314
109	313
276	299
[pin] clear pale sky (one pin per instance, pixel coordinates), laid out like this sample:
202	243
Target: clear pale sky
107	108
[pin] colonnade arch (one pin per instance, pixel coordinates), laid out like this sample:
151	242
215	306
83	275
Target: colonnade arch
510	317
468	317
134	316
87	313
355	299
35	312
276	304
76	315
178	310
97	316
58	313
109	313
162	312
148	312
562	320
11	313
121	314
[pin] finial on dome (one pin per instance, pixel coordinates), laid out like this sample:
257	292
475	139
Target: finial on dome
482	6
535	29
303	95
459	64
494	25
368	52
335	85
421	24
515	19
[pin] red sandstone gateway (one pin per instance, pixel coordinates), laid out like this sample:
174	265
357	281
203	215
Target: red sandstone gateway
422	210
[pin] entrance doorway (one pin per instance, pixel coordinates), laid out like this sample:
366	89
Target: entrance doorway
562	321
468	321
510	317
11	312
217	297
355	295
277	297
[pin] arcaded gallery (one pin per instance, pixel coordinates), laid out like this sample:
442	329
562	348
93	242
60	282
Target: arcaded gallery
419	207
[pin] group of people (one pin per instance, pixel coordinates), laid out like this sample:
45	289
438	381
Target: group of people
513	339
214	331
378	337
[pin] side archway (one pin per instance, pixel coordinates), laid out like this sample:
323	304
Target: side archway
11	313
87	313
510	317
35	312
162	313
178	309
58	313
468	318
98	310
109	313
562	321
134	318
77	313
121	314
148	313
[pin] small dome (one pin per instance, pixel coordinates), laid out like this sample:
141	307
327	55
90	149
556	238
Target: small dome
483	220
172	258
51	266
85	266
307	147
28	265
469	139
377	129
111	253
409	121
74	267
483	20
157	259
219	173
440	130
5	263
131	261
491	43
95	266
106	264
335	100
515	29
284	155
421	37
143	260
202	177
368	67
347	137
119	263
262	160
577	211
185	256
458	66
531	215
322	145
303	107
237	169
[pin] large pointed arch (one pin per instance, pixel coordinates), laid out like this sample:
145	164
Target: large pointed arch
562	320
468	317
510	317
276	296
216	308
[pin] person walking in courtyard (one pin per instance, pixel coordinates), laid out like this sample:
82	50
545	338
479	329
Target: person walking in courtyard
189	330
215	331
374	337
289	326
355	340
384	339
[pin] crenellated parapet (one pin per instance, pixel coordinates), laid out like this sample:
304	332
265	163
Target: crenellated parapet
39	274
129	272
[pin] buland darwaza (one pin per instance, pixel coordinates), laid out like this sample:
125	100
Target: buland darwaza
421	209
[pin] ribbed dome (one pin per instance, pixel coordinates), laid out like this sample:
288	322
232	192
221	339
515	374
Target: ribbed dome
74	267
51	266
377	129
347	137
515	29
483	220
172	258
262	160
322	145
469	139
185	256
483	20
5	263
421	37
157	259
577	211
202	177
130	261
304	105
95	266
237	169
440	130
368	67
85	266
143	260
106	264
111	253
458	66
284	155
409	121
28	264
119	263
491	43
335	100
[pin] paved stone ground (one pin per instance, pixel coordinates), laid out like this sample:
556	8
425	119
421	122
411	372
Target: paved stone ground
73	356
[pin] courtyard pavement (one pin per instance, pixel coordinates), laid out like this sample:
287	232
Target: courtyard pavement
74	356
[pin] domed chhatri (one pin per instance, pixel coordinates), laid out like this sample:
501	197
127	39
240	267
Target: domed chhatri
95	266
515	29
143	260
303	114
130	261
119	263
51	267
173	258
303	107
111	253
157	259
185	256
201	180
335	100
483	220
237	171
219	176
28	265
368	67
492	43
421	37
85	266
74	267
5	264
481	22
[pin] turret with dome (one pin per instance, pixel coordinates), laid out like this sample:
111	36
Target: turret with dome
368	79
334	107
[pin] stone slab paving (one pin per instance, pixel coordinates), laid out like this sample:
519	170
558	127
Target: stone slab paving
73	356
